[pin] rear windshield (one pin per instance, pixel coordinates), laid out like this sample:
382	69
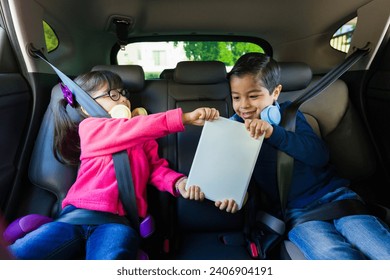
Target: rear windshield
154	57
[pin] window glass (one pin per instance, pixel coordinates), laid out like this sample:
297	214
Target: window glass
154	57
51	38
341	40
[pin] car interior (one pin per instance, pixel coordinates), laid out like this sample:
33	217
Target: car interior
351	115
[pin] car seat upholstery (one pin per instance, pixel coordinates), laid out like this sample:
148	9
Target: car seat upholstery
167	74
45	171
334	118
133	78
189	223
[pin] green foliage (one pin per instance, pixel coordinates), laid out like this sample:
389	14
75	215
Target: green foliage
227	52
51	38
152	75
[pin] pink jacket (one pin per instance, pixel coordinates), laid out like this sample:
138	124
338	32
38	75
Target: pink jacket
96	187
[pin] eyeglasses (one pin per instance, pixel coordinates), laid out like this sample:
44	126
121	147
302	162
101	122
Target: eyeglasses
114	94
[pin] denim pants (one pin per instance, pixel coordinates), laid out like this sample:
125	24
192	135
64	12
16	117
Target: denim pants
62	241
354	237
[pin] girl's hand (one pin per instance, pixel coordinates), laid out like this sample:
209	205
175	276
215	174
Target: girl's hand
258	127
200	115
228	204
192	193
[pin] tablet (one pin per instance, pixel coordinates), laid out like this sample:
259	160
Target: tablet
224	160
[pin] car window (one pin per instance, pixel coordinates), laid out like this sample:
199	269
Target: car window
154	57
341	40
51	38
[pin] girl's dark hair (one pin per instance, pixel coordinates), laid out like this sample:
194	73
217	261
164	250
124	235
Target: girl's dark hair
66	144
263	68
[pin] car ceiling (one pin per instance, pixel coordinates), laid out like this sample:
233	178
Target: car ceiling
267	19
304	26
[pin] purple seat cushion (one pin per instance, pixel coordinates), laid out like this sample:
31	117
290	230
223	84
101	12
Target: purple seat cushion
21	226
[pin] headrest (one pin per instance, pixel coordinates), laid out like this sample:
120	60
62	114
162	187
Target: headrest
133	76
294	75
200	72
167	74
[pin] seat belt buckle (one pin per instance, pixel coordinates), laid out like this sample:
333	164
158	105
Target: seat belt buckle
166	246
252	248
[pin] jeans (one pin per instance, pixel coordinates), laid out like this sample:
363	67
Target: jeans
61	241
354	237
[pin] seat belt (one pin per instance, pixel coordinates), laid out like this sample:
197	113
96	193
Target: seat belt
332	210
285	163
121	160
124	178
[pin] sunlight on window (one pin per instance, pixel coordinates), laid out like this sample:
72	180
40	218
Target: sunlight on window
341	40
51	38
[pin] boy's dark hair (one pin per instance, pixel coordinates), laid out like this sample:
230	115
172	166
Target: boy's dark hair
262	67
66	144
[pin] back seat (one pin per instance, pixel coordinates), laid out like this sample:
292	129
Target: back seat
198	230
193	84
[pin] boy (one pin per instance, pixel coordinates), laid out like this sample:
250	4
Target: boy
255	88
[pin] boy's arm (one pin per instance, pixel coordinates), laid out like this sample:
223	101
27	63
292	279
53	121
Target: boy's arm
303	144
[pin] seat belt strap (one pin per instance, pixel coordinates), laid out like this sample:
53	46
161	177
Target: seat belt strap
126	194
83	98
81	216
333	210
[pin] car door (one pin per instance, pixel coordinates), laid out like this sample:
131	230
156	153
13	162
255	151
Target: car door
15	111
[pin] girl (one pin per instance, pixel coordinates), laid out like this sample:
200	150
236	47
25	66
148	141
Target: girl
93	141
255	88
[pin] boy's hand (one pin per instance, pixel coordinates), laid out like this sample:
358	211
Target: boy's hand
228	204
200	115
258	127
193	192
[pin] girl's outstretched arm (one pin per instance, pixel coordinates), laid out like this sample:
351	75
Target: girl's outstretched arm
200	115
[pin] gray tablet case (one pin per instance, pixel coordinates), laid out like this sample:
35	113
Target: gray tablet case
224	160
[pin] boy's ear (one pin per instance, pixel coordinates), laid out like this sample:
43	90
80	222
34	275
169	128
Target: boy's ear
277	91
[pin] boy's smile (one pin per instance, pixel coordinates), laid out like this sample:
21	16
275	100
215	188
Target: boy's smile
249	98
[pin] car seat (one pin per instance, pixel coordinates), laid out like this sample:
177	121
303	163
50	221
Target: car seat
334	118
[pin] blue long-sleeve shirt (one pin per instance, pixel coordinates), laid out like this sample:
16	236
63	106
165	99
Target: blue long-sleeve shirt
313	176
